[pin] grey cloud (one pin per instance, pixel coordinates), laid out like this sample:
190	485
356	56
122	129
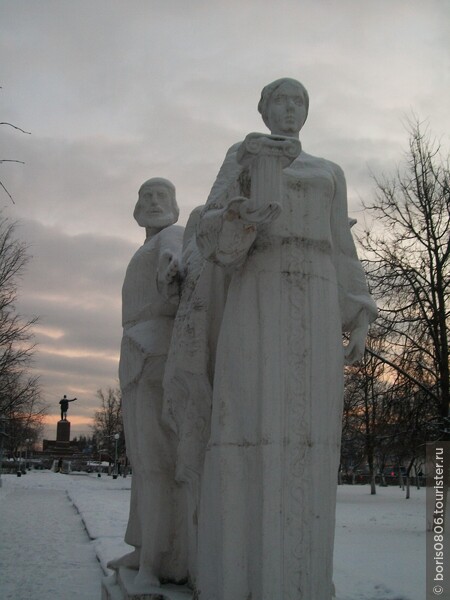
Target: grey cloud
74	263
88	368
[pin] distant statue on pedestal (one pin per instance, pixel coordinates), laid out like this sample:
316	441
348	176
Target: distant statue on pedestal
65	406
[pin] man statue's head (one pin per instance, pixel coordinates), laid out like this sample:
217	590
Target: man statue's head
156	206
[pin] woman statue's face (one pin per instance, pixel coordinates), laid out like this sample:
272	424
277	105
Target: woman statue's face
286	110
155	206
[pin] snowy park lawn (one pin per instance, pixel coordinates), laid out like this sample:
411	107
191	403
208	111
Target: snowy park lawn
380	540
380	544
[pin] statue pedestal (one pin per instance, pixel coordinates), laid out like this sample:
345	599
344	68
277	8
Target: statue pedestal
63	431
121	586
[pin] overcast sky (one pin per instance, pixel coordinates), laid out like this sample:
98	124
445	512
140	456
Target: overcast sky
115	92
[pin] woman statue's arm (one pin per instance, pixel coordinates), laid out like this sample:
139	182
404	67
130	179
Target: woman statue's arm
358	308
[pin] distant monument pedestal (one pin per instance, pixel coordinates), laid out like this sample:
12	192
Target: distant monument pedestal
121	586
62	446
63	431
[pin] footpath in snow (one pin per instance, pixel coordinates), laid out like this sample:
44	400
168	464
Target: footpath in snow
47	554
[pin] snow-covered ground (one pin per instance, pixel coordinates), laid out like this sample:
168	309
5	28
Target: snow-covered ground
380	544
45	553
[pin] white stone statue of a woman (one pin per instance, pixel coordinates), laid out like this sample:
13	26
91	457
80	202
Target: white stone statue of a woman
156	526
267	508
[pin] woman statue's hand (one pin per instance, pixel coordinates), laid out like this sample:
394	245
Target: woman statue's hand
354	350
264	214
239	208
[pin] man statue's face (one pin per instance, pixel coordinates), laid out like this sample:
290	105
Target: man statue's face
154	207
287	110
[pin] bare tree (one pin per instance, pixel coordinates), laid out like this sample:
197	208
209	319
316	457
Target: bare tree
386	415
23	425
407	249
10	160
368	414
108	422
21	408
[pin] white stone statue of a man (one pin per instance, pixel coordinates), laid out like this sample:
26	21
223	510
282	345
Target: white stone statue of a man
149	302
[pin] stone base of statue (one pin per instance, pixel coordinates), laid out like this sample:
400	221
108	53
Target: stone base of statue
63	431
121	586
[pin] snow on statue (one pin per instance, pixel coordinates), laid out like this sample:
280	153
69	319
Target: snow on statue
276	221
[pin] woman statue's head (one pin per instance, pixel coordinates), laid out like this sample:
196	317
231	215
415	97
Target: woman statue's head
284	106
156	206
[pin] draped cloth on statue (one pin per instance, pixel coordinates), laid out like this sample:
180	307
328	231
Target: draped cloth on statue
189	373
266	523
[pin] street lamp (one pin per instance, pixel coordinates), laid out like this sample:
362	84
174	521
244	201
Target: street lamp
3	434
99	473
27	441
116	438
21	470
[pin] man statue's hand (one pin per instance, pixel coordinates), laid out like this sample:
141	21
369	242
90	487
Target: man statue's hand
168	277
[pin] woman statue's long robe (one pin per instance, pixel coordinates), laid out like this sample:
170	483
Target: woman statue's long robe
267	516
